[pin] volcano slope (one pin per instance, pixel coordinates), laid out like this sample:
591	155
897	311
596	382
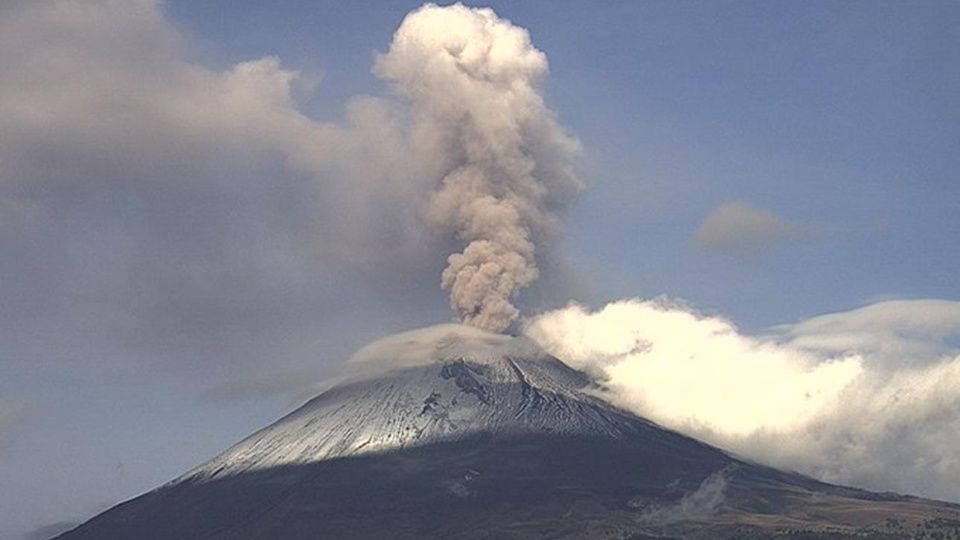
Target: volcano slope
451	432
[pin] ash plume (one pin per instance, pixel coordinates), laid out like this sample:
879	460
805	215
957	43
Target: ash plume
473	81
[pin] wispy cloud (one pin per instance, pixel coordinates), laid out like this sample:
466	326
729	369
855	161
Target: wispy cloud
738	228
11	413
894	331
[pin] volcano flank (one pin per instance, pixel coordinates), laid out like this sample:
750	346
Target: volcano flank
453	432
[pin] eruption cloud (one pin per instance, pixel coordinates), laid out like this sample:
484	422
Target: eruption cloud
505	163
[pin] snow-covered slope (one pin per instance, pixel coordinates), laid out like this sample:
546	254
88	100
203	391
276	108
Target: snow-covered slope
437	384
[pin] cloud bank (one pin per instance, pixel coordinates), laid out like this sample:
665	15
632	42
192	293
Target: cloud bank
833	397
474	83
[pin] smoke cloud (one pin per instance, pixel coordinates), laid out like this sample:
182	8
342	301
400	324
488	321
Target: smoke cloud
473	80
866	397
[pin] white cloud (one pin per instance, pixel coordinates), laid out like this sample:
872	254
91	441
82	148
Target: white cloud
844	414
685	369
738	228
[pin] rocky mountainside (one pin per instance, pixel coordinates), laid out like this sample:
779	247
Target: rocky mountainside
451	432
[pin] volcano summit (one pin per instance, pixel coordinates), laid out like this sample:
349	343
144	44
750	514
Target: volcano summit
453	432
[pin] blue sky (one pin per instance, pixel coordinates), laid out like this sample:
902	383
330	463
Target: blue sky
155	311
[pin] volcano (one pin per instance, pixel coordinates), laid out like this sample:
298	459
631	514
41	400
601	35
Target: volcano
453	432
